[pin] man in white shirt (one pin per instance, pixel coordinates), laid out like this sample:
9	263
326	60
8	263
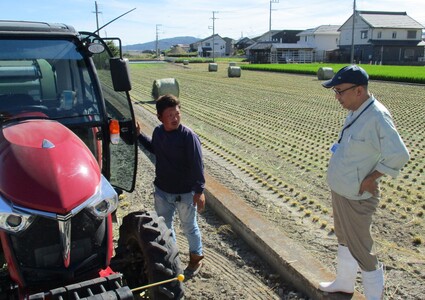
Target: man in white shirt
368	147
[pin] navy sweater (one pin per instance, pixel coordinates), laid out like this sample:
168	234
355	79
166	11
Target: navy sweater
179	167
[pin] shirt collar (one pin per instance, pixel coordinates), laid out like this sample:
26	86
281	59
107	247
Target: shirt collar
355	113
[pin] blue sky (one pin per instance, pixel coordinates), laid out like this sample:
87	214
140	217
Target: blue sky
171	18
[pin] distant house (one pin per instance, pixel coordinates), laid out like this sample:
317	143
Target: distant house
382	37
279	46
279	53
230	46
244	43
323	40
214	43
266	37
279	36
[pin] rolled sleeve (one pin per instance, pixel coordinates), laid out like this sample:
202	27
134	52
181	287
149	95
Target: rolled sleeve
394	154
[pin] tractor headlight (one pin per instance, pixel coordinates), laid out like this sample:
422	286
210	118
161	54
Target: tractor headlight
12	220
105	201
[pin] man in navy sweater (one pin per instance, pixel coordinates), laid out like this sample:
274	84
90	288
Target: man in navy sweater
179	175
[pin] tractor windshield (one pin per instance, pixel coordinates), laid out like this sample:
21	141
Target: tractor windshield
64	78
48	77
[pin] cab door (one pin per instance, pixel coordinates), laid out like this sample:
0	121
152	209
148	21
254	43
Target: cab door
120	158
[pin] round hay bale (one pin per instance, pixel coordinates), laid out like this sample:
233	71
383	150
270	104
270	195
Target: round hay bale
165	86
325	73
185	62
231	64
212	67
234	71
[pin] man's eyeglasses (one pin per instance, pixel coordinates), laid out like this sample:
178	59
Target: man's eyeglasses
339	93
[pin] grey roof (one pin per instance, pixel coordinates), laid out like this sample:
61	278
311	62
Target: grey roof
272	32
381	19
260	46
245	40
269	45
290	46
322	29
210	37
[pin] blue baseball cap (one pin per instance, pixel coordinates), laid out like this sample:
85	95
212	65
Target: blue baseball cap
349	74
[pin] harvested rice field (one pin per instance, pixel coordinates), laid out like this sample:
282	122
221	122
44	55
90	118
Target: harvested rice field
266	136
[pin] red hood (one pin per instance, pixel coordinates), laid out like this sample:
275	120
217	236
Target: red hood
54	179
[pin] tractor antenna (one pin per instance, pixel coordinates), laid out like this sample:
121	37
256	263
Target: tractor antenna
97	31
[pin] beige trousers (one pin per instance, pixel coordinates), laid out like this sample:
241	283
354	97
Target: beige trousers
352	223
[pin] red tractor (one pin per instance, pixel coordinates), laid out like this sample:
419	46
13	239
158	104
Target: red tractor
68	148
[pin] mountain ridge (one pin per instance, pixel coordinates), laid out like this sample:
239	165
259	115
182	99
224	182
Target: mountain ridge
163	44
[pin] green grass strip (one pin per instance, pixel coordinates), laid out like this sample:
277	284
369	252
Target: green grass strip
411	74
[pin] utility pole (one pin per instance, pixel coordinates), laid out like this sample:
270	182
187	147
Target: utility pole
352	33
213	28
97	12
270	17
157	41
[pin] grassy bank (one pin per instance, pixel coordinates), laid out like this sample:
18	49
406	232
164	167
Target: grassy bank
412	74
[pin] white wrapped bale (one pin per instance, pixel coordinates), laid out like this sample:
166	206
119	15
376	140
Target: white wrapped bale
232	64
325	73
234	71
212	67
185	62
165	86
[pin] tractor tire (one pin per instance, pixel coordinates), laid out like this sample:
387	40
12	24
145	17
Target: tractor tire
147	254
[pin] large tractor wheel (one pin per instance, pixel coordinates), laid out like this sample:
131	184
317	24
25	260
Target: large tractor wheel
147	254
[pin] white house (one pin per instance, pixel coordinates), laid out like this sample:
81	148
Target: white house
213	46
384	37
321	39
269	36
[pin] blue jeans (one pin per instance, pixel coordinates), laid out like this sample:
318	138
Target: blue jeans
166	205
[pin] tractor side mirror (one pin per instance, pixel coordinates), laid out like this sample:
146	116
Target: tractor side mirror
120	74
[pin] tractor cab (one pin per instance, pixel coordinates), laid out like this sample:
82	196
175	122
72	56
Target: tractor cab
51	71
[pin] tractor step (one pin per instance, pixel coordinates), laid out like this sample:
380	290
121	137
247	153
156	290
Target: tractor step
109	287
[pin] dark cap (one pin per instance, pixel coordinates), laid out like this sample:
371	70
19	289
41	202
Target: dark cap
349	74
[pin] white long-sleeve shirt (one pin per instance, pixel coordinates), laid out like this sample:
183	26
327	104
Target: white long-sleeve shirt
370	143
